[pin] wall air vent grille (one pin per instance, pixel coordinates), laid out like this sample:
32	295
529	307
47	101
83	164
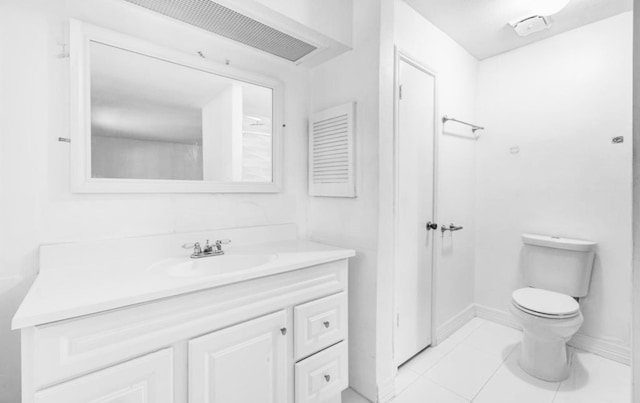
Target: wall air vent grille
331	152
220	20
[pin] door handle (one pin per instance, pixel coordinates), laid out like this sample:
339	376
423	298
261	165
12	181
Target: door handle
451	228
431	225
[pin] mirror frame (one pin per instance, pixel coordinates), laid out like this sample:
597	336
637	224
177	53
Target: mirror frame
81	36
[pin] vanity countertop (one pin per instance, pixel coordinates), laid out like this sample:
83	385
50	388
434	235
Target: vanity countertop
77	290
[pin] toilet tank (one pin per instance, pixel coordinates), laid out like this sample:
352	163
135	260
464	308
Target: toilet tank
558	264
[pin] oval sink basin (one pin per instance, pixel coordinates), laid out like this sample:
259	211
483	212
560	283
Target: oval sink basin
187	267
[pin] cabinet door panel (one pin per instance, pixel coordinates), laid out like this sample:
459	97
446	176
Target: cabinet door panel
142	380
246	363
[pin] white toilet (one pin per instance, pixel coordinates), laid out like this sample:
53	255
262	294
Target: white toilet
556	271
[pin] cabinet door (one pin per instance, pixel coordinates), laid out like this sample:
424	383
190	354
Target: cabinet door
142	380
246	363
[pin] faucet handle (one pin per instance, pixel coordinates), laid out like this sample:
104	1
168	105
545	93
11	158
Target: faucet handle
221	242
195	246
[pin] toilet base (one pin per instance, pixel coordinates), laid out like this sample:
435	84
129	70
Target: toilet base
545	359
544	344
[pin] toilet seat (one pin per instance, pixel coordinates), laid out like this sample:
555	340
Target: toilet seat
545	304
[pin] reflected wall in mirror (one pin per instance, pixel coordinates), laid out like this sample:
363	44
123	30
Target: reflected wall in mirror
155	120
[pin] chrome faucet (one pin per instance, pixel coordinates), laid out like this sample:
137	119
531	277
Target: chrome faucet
209	250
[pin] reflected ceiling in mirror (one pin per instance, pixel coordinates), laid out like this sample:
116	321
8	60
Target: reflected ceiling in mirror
156	119
146	118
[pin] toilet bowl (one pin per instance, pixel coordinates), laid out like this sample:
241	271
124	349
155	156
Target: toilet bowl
549	319
555	270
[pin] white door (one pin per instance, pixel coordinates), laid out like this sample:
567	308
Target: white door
143	380
414	208
246	363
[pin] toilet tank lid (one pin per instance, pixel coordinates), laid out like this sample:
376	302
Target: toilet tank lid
558	242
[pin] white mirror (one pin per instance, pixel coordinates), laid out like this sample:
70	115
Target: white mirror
150	119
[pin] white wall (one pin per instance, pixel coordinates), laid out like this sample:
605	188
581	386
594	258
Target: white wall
330	17
386	369
353	223
560	101
635	364
456	72
121	157
36	205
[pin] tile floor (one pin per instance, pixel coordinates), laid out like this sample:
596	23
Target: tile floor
479	364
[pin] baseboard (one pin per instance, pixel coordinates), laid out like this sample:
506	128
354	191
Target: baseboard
497	316
449	327
604	348
386	390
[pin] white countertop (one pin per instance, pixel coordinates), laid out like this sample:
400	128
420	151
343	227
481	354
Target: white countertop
104	284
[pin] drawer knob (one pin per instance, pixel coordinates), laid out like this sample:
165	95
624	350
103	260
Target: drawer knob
327	378
283	331
326	324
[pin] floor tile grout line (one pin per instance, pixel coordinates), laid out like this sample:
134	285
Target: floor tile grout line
465	337
504	360
572	355
474	330
448	389
556	393
438	360
412	382
455	346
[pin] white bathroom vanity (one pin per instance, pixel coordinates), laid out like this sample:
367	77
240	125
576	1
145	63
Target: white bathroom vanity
138	320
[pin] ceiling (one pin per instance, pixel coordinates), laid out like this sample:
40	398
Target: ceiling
481	26
142	97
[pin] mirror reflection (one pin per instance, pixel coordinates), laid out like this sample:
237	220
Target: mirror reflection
155	119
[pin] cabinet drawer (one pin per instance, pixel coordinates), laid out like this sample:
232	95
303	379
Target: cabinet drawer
322	376
319	324
144	379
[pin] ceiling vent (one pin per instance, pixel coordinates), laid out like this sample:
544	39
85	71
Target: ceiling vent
223	21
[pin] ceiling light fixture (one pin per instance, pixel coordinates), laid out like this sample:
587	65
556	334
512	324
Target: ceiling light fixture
539	12
530	25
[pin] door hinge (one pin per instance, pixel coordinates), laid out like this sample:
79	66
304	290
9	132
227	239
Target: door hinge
398	320
400	92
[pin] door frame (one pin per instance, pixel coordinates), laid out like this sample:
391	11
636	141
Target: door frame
403	56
